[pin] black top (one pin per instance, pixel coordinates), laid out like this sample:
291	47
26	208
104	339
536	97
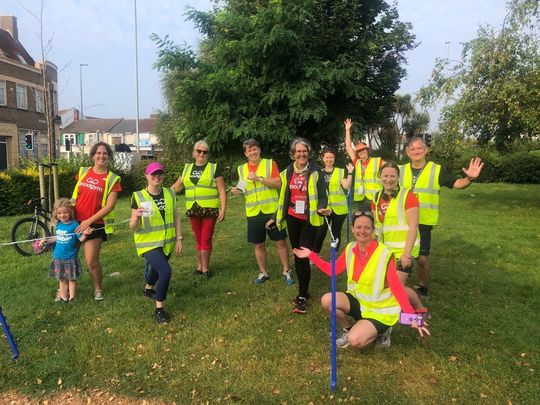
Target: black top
197	171
446	178
159	200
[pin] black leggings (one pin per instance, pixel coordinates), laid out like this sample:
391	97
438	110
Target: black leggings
159	269
301	234
336	222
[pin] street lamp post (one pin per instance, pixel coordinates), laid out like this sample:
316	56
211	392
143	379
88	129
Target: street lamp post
136	80
80	77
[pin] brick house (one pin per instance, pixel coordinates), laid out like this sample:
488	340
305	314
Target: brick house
22	99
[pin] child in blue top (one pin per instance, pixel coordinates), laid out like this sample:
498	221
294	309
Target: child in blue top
66	266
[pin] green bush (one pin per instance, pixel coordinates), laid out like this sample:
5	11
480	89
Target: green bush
520	167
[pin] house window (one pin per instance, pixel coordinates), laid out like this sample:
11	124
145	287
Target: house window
71	138
21	97
3	96
39	101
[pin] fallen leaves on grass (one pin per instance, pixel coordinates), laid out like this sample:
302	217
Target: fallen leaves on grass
452	358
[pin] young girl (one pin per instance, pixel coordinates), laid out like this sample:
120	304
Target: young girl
66	266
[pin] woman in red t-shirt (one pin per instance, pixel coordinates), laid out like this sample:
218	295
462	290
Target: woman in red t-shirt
90	211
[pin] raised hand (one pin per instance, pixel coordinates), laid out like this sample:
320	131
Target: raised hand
474	169
348	124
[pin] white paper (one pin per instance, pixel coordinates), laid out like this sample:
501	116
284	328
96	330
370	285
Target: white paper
241	186
148	208
300	207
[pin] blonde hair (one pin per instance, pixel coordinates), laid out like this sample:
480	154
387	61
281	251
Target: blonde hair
61	202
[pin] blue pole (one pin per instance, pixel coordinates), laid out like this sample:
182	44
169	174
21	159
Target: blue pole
349	214
9	336
333	380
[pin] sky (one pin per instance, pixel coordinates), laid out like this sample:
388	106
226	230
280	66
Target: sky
101	33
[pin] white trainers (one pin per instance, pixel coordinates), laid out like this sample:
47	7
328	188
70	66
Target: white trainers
342	341
383	340
287	277
98	295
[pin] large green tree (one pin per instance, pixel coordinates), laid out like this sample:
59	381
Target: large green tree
493	93
277	69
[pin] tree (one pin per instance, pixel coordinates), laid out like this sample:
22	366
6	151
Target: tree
278	69
493	93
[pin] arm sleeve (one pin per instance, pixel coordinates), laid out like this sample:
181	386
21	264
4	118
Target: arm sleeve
275	170
446	178
397	288
325	266
411	201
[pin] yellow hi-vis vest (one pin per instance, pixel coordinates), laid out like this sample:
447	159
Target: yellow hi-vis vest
110	181
393	231
367	185
376	300
205	192
426	188
313	199
259	198
154	232
337	199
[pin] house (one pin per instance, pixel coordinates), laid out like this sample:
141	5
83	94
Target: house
82	134
23	124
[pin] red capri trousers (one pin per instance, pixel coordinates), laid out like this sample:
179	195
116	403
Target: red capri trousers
203	229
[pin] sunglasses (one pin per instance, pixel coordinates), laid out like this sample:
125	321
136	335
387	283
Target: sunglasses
158	173
201	152
361	150
362	214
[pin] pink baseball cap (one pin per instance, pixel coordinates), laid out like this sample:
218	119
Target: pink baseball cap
154	167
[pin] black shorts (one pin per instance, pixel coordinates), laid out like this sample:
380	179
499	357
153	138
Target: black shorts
425	239
98	233
407	270
256	231
356	313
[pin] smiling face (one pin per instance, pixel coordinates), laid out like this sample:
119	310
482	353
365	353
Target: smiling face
328	159
363	153
253	154
63	214
389	178
155	179
200	154
301	155
417	152
362	229
101	157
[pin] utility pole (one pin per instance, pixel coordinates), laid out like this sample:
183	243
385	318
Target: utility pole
80	80
136	80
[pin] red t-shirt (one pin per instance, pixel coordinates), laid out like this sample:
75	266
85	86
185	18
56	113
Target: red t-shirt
298	187
90	194
275	171
361	259
410	202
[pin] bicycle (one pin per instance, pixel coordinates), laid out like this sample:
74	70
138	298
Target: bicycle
26	230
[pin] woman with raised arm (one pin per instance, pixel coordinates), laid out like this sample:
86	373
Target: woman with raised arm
206	202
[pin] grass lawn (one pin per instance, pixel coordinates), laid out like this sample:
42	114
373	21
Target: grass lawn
233	341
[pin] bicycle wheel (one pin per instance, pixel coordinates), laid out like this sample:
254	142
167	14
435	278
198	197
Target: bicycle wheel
25	229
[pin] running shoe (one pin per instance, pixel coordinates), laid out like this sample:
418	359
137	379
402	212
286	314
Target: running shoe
287	277
422	291
98	295
149	293
342	341
161	316
300	305
262	278
383	340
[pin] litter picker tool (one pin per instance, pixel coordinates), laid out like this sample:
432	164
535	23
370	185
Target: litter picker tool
333	353
9	336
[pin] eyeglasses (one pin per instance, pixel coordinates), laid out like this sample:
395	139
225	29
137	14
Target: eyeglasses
361	150
362	214
201	152
159	173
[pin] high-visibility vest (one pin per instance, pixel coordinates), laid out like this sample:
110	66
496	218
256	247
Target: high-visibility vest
313	199
366	185
337	199
259	198
393	231
110	181
205	192
154	231
426	188
376	300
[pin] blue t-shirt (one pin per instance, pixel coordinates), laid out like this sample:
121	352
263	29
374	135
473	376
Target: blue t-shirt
66	245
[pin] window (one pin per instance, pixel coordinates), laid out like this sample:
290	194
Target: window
21	97
39	101
71	138
3	96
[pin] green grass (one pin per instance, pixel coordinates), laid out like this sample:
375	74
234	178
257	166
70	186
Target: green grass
232	341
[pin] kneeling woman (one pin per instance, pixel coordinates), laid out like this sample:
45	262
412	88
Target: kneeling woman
374	297
156	223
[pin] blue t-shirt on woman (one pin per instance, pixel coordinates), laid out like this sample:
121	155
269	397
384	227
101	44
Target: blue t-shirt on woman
66	240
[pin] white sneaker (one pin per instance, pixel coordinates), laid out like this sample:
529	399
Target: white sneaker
383	340
98	295
342	341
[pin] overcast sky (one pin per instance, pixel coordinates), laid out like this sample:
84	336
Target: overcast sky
101	34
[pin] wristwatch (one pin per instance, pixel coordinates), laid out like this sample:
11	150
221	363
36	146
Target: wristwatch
180	237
